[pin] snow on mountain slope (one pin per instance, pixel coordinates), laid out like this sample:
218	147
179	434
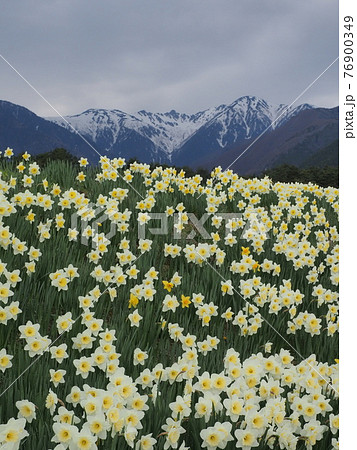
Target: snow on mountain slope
96	123
167	132
282	113
249	116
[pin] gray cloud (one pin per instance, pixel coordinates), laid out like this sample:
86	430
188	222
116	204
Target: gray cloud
164	54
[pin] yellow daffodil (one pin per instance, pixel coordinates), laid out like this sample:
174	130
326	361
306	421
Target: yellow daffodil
168	285
133	301
185	301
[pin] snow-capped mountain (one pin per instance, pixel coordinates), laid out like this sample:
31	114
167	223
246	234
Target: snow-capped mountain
108	128
212	137
241	121
169	136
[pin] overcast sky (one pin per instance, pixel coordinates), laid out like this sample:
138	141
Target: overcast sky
160	55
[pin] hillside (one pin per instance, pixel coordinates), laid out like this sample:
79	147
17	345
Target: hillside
295	142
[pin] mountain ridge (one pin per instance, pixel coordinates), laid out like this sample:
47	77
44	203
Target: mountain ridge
167	138
295	142
169	131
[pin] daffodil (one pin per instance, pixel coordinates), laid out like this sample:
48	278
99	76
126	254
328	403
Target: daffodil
8	152
12	433
59	352
139	356
5	360
57	376
84	365
168	285
170	303
226	287
185	301
135	319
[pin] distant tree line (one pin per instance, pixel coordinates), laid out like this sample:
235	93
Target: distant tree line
323	176
58	154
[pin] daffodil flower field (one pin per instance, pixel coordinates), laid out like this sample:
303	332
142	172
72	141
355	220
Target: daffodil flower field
117	334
